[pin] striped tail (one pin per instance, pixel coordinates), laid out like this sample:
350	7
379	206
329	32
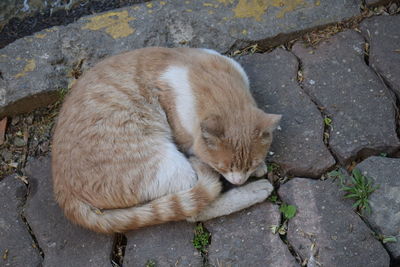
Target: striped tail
173	207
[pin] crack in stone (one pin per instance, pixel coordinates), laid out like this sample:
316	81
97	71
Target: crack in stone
394	262
288	39
394	96
118	250
29	228
320	107
284	239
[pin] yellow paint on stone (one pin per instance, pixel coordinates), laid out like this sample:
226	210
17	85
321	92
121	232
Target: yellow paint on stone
40	35
257	8
149	5
149	11
244	32
163	3
189	10
115	24
30	66
225	2
211	12
318	2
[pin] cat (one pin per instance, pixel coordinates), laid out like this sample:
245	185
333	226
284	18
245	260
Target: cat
143	137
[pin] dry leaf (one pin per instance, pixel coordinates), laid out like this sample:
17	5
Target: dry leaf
3	125
13	164
5	254
23	179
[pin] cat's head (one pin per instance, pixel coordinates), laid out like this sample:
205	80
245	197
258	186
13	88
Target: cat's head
236	149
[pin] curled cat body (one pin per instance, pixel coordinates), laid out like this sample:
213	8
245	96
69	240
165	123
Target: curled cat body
143	136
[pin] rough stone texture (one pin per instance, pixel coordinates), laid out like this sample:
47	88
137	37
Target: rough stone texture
31	74
47	57
383	34
385	201
245	238
324	219
14	235
167	245
298	148
361	107
63	243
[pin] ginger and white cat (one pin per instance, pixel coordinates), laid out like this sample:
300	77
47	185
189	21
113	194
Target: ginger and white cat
142	138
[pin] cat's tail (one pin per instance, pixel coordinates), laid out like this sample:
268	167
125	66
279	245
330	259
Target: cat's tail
173	207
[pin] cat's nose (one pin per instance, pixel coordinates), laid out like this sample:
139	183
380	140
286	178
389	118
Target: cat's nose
236	178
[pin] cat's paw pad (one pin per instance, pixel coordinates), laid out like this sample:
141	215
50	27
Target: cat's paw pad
261	170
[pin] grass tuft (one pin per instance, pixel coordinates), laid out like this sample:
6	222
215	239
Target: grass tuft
359	188
201	238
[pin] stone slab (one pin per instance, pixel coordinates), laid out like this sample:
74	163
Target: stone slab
63	243
360	106
217	24
31	74
17	248
385	201
298	148
166	245
245	238
383	34
325	221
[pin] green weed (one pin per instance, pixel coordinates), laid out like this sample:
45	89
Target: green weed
389	239
150	263
273	198
201	238
272	167
359	189
288	211
327	121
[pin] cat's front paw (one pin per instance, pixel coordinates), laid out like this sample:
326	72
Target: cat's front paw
261	170
260	187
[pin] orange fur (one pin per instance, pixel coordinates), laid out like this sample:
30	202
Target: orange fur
119	124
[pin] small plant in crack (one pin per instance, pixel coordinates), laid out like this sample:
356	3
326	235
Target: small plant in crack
201	238
328	122
288	211
272	167
359	188
150	263
273	198
385	238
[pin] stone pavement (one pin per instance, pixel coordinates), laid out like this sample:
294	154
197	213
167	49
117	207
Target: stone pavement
340	105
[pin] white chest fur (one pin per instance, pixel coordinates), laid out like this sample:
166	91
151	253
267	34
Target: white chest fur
178	79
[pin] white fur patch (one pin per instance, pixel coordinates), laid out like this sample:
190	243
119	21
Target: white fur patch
234	63
174	174
177	78
210	51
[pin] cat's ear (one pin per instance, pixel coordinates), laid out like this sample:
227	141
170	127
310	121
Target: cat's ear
266	125
212	130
